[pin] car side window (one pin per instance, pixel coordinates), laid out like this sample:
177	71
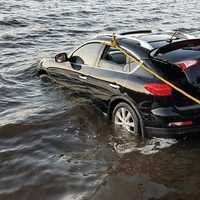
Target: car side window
131	65
114	59
115	56
88	53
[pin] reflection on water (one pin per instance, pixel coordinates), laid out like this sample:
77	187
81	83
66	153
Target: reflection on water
150	146
171	173
130	187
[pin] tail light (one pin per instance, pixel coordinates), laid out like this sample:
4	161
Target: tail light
158	89
186	64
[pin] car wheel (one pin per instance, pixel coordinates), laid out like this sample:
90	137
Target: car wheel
44	76
123	116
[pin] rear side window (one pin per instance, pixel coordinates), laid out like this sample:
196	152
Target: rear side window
113	59
89	53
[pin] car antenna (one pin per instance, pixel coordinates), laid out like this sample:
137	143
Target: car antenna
172	36
114	40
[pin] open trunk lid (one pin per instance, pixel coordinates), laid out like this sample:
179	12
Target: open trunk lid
184	55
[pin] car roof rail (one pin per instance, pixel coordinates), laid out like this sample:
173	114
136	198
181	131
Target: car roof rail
135	32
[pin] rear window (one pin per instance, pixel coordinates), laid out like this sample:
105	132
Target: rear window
177	51
158	44
186	56
113	59
180	54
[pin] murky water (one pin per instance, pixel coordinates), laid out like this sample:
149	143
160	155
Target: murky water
55	145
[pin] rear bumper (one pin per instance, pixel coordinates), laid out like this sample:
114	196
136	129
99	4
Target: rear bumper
162	116
172	131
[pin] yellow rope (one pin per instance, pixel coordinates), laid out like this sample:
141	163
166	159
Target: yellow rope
115	44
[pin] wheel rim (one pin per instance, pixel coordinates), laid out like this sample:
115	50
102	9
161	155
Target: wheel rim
124	119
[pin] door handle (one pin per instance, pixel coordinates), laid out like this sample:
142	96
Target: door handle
114	86
82	77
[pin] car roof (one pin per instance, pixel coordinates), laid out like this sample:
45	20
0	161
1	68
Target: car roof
149	39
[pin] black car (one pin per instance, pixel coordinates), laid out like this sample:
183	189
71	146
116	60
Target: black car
133	98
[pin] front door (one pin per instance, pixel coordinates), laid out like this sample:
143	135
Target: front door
75	74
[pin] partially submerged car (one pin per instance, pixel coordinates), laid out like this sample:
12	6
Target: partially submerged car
133	98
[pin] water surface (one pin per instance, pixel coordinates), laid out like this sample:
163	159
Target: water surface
55	145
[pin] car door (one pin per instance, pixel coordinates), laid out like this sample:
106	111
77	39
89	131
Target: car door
64	74
83	60
111	76
75	74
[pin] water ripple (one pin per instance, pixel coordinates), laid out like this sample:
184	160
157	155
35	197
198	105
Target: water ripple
56	145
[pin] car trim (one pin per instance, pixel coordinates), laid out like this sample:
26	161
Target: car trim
100	54
187	108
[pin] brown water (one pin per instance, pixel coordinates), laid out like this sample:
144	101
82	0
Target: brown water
56	145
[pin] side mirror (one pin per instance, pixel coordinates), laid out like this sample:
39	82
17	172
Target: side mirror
61	57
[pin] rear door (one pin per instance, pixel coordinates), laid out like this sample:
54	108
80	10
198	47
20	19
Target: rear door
111	77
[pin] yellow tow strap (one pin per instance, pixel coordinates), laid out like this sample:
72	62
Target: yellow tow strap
114	44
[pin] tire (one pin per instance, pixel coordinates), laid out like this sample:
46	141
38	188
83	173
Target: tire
124	116
44	77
